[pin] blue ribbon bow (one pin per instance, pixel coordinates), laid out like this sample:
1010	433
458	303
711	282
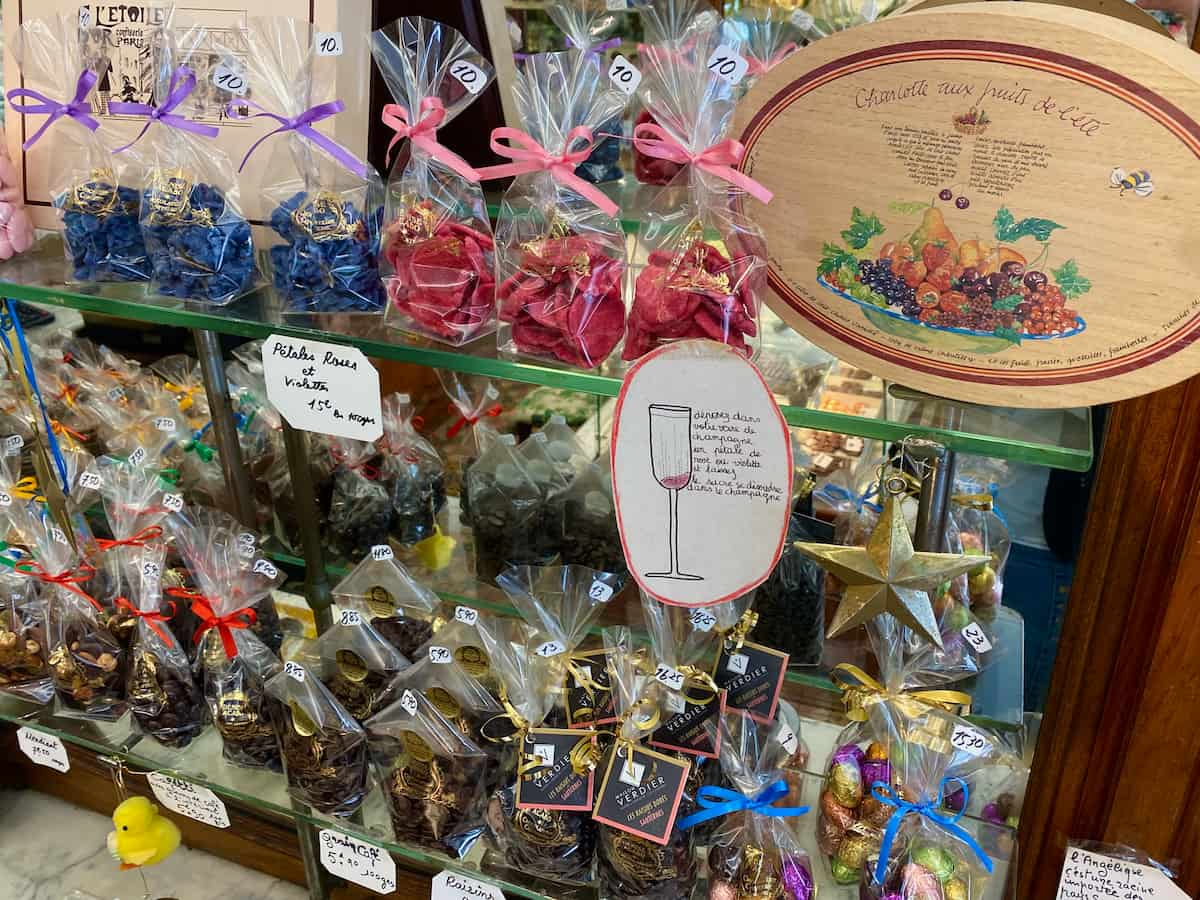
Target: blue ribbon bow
78	108
884	793
183	82
719	801
302	125
836	494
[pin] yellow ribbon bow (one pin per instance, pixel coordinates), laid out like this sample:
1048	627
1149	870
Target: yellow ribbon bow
860	690
736	636
697	679
26	489
185	396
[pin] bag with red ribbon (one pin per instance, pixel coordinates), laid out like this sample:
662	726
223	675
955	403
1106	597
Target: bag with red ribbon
95	192
326	204
473	399
412	470
705	258
231	581
360	508
560	250
437	239
163	695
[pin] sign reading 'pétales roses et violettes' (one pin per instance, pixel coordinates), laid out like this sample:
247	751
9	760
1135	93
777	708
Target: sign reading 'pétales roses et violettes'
991	202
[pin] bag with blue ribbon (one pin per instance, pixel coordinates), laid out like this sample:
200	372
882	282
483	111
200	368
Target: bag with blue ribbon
755	849
66	81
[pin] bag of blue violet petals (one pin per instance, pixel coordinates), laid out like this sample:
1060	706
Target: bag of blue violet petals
60	70
199	242
326	204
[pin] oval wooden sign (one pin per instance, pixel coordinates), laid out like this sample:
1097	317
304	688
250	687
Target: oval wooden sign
702	474
992	202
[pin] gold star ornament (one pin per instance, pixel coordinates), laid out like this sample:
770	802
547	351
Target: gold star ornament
888	576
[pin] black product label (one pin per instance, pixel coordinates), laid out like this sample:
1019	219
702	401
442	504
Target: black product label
554	784
687	731
752	676
588	705
642	795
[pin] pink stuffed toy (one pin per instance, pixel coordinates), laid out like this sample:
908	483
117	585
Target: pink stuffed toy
16	228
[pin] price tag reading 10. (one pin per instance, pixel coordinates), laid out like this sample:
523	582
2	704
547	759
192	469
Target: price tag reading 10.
328	43
624	75
727	63
469	76
228	80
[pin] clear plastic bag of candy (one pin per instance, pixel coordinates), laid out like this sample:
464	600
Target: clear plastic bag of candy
400	608
551	481
587	24
755	848
199	242
431	775
181	376
326	204
437	239
504	505
324	751
162	692
473	400
94	191
232	582
767	35
462	636
822	18
358	665
24	667
705	269
360	508
413	471
589	522
560	251
981	530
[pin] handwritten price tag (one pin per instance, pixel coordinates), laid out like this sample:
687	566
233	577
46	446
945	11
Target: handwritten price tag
165	423
85	17
5	498
138	456
600	592
350	617
381	552
367	865
469	76
727	63
229	80
466	615
173	502
90	480
329	43
322	387
151	570
408	702
440	655
189	799
702	620
549	649
453	886
263	567
13	443
44	749
294	670
788	739
969	740
672	678
115	394
624	75
58	534
975	636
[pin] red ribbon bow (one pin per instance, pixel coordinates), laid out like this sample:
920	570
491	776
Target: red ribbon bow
149	533
718	160
202	607
69	579
423	134
528	155
465	420
151	618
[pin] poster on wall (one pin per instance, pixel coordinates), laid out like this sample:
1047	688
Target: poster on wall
702	474
987	203
127	70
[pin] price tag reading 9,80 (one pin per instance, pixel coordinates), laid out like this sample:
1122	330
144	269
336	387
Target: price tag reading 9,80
265	568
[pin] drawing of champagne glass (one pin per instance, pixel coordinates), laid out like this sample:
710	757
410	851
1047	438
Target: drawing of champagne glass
671	463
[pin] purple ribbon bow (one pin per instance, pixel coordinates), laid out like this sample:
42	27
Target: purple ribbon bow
183	82
302	125
77	109
597	48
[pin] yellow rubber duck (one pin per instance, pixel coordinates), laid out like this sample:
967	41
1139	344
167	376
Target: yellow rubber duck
142	837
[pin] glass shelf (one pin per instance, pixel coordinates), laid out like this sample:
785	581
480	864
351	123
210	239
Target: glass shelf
1057	438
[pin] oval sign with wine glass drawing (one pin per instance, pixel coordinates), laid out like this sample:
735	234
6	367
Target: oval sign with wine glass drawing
702	474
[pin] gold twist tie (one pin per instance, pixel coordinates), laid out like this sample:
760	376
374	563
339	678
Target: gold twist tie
694	678
973	501
860	691
736	636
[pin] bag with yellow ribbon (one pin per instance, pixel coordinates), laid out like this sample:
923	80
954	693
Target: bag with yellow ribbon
183	379
979	528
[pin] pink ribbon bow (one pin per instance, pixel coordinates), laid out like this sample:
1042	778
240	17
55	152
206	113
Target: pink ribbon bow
423	134
528	155
758	67
718	160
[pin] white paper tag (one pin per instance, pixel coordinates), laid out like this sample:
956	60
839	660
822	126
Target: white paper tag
624	75
440	655
13	443
165	423
321	387
90	480
969	740
1094	876
173	502
550	648
976	638
453	886
328	43
380	552
408	702
615	5
702	620
469	76
115	394
138	456
246	539
151	569
189	799
600	592
294	670
789	741
544	753
727	63
466	615
367	865
350	617
58	534
675	703
85	17
672	678
5	498
228	79
44	749
631	773
737	663
265	567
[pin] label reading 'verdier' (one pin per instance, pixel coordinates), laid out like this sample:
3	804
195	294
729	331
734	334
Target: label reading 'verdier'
690	731
646	808
555	784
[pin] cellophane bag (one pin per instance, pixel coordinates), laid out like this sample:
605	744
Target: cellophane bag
324	751
472	400
750	853
182	377
360	509
24	671
670	27
232	580
437	240
589	522
326	204
550	844
400	608
559	257
586	24
199	242
358	665
552	481
705	268
791	602
431	775
163	695
822	18
504	505
981	530
564	447
413	471
260	435
94	191
767	35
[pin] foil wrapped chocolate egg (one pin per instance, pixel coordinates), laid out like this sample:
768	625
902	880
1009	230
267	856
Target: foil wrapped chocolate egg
918	883
875	813
955	889
842	873
845	783
854	850
937	860
875	770
720	889
829	836
876	751
797	880
835	812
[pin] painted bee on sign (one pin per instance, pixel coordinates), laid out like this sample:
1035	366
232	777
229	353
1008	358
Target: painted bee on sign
1137	181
